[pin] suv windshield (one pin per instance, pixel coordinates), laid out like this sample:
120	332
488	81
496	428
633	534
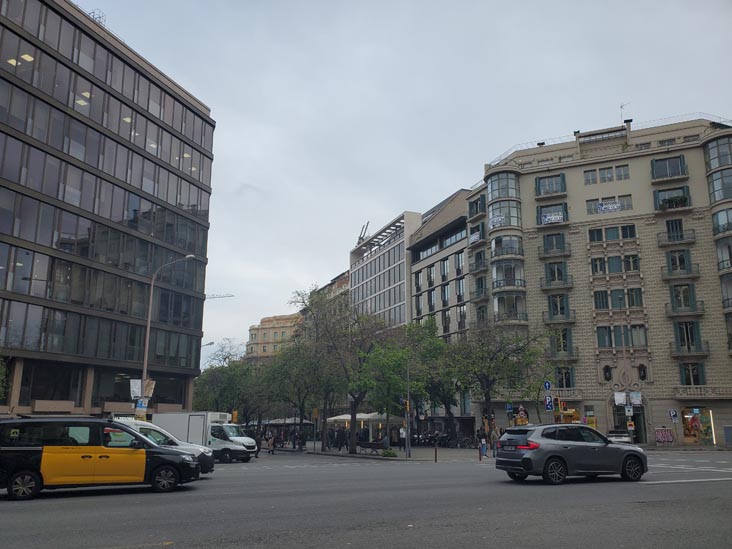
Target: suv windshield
155	436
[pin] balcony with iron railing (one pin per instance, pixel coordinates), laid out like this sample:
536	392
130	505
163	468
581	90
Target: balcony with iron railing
511	316
506	284
568	316
721	229
674	239
727	304
560	251
699	349
693	309
565	282
480	294
476	210
476	238
695	392
569	354
478	266
555	191
673	204
724	266
516	251
678	173
690	271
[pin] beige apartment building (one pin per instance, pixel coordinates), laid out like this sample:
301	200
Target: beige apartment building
272	333
618	240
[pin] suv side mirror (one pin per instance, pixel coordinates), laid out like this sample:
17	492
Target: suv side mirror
136	444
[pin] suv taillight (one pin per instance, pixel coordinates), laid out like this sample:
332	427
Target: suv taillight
530	446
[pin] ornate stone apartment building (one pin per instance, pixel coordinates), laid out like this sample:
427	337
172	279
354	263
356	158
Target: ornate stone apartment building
620	241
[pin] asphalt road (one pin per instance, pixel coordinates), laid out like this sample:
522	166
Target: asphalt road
296	500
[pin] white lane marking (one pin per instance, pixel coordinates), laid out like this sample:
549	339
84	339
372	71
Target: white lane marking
692	469
685	481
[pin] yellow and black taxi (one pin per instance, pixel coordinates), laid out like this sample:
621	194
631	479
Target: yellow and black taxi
38	453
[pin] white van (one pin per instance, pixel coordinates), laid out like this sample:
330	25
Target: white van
161	437
210	429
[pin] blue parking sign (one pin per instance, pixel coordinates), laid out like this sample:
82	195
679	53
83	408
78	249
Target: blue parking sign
509	407
548	404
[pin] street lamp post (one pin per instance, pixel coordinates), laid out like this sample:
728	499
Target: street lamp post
149	316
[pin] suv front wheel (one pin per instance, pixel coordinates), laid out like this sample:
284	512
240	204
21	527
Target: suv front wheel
555	471
632	469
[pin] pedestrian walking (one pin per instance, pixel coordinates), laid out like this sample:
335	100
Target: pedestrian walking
271	445
402	438
483	439
258	441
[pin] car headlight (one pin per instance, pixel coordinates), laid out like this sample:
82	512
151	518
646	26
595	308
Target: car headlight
188	458
207	452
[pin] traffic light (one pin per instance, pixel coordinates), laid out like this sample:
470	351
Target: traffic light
556	403
564	406
406	403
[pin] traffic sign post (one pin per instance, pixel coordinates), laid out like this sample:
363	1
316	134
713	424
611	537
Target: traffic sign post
548	403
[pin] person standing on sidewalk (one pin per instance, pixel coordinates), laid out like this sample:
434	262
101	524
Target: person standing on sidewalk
483	439
402	438
494	440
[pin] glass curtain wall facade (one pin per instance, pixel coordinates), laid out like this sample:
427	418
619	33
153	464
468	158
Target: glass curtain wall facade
105	174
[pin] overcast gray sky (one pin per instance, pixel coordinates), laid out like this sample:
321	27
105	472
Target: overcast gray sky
332	113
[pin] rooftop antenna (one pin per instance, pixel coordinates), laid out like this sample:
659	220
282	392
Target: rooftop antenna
622	106
362	234
99	17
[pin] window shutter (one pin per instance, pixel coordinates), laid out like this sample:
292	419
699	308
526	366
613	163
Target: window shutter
565	212
563	183
682	377
536	186
561	239
547	272
655	200
702	374
653	172
571	377
692	295
682	161
538	215
668	261
687	259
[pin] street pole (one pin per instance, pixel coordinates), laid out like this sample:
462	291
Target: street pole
149	316
408	443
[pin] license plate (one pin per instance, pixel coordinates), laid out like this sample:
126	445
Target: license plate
508	448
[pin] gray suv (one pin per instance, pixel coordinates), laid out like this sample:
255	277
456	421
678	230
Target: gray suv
557	451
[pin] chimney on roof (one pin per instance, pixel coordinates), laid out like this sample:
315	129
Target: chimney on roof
627	122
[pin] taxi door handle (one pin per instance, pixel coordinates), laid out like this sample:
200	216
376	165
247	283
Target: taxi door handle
86	456
103	457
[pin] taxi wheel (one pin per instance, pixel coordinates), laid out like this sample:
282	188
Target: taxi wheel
225	456
24	485
165	479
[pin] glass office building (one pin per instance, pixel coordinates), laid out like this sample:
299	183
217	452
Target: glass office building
105	173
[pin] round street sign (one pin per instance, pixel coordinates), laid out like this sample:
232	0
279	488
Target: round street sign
547	385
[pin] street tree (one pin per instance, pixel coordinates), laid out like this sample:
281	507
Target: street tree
493	358
350	339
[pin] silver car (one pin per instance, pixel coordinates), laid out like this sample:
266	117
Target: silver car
558	451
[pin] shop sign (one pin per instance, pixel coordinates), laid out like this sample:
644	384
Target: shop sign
554	217
631	426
